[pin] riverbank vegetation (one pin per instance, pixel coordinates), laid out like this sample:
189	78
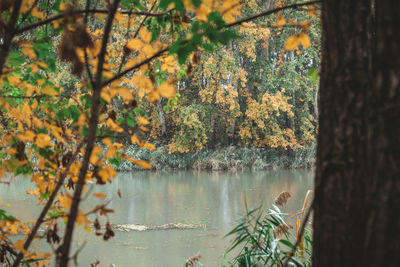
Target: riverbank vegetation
227	158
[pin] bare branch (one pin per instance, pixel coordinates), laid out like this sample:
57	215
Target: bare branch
83	11
269	12
117	76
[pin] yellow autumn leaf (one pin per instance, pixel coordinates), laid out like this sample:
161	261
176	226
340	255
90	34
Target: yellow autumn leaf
111	152
113	126
26	112
56	131
96	152
147	145
42	64
311	11
11	151
29	52
43	140
65	201
202	12
28	136
148	50
134	139
105	96
14	80
63	6
99	195
304	40
19	245
294	41
134	44
104	175
153	96
166	89
119	17
280	21
34	68
141	163
169	64
145	35
143	120
125	94
111	171
81	219
37	13
40	82
107	142
49	90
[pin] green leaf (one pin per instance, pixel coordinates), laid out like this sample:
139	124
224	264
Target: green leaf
15	58
207	46
130	122
313	75
286	242
196	3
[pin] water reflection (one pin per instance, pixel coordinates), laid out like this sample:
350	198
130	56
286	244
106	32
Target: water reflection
215	199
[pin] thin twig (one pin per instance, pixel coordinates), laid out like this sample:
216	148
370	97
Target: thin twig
269	12
83	11
147	60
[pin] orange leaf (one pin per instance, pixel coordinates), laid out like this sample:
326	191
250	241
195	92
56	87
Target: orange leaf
280	21
166	89
145	35
99	195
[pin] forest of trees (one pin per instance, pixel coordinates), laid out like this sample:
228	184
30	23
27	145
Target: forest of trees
83	81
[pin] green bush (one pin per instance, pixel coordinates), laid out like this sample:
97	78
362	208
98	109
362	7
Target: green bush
266	240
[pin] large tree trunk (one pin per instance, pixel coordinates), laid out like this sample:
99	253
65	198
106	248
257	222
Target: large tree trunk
383	180
357	187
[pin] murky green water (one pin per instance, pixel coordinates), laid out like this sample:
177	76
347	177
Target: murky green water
215	199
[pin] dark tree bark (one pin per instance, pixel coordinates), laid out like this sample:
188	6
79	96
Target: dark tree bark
357	188
383	183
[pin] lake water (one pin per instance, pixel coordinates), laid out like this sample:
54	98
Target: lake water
214	199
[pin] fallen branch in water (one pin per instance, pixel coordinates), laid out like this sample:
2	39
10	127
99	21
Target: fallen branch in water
168	226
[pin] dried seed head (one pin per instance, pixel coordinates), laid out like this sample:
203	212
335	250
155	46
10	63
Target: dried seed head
196	58
192	262
109	232
96	224
66	49
282	198
81	37
282	229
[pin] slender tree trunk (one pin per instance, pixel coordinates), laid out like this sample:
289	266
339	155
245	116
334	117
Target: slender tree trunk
316	104
357	187
162	121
